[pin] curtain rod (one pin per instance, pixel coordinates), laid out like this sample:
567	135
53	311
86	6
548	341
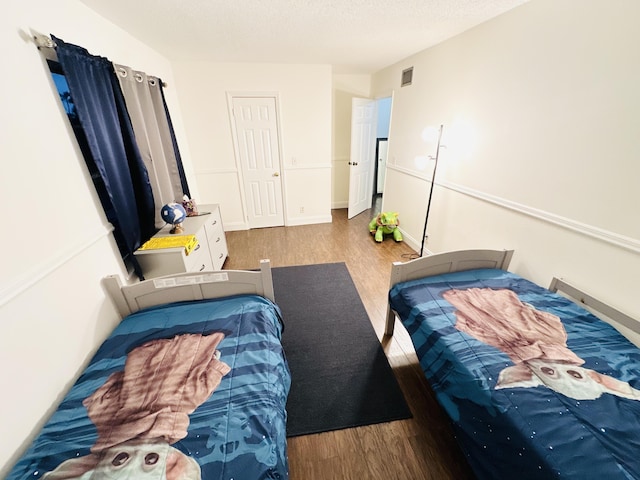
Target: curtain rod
122	71
44	41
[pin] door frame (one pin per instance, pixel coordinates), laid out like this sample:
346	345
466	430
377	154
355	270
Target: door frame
377	167
236	149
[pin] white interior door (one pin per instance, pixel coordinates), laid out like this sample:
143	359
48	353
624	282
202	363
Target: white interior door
363	147
256	130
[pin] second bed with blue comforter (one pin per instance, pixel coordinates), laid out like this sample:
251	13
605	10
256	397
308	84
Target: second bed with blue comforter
536	386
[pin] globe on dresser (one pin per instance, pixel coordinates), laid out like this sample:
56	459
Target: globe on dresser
174	214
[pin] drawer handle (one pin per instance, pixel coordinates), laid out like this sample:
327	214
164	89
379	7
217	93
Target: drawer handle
202	267
221	255
217	239
214	222
197	247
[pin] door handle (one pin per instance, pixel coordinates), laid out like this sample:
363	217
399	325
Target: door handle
276	174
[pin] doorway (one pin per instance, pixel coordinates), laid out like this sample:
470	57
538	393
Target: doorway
381	166
382	142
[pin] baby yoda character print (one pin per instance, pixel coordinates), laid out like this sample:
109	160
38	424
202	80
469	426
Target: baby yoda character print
141	411
535	341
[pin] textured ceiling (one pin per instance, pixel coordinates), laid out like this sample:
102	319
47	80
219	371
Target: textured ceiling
355	36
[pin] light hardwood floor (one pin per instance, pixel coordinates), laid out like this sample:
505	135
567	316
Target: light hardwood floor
419	448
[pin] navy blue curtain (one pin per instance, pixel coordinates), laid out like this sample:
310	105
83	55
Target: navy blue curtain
112	154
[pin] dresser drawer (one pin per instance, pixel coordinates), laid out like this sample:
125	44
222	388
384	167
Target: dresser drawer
213	225
199	259
216	238
218	257
213	220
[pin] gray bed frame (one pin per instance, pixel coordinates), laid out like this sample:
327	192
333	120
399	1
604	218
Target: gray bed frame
578	296
189	286
461	260
455	261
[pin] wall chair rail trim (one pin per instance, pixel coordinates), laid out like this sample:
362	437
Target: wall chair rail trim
29	278
612	238
601	234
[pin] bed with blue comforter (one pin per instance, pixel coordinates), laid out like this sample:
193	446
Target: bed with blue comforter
536	386
191	390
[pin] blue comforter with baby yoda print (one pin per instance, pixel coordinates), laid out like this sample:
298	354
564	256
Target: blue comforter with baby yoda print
536	386
188	390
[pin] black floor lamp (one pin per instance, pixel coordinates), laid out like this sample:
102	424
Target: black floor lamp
433	178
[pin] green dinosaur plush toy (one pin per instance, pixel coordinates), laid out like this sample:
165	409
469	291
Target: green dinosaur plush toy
384	224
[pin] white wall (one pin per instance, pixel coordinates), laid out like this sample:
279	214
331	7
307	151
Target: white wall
540	108
304	109
56	243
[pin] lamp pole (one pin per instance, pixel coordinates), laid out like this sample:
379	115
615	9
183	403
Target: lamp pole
433	178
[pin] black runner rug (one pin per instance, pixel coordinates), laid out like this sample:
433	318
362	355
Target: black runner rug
341	377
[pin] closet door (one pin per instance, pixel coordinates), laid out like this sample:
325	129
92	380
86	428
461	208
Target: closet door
258	154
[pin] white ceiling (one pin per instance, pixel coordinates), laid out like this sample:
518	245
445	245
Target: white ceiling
355	36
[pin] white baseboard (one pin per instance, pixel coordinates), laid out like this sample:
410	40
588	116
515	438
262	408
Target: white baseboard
410	241
235	226
295	221
291	222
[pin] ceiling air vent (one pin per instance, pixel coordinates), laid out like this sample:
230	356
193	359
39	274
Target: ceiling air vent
407	76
